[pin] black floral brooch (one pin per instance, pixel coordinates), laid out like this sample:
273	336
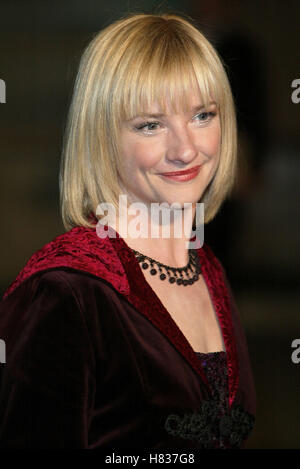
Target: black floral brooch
209	428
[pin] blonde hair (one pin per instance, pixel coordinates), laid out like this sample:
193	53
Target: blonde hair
132	63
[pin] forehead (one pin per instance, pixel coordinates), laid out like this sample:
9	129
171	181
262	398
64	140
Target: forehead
169	93
166	106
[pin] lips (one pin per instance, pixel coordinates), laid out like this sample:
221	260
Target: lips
185	175
179	173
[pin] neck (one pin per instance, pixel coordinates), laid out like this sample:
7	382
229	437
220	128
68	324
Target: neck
164	237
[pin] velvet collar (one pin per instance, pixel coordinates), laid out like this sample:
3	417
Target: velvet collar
112	260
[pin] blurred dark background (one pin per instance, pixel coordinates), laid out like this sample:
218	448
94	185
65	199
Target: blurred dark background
255	234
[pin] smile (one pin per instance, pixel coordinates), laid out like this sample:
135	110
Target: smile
182	176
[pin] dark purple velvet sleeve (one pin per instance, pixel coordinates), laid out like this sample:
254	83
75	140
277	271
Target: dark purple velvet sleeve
47	380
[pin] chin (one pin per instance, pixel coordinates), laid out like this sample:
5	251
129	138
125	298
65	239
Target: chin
191	198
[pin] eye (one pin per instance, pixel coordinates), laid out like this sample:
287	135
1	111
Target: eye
204	116
148	127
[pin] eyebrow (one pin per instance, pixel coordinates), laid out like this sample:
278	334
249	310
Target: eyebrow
160	114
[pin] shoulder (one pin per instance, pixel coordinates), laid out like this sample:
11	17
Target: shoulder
79	249
57	300
43	294
211	262
50	338
62	308
216	277
45	258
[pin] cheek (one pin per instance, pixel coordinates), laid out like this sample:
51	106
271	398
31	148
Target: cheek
213	141
216	142
209	145
143	155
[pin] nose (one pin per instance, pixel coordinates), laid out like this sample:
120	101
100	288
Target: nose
182	148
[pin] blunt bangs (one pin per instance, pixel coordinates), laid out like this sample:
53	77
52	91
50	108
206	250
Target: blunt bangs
164	69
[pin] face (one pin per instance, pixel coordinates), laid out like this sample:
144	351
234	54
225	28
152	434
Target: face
158	151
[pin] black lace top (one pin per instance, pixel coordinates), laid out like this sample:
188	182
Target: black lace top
216	425
215	366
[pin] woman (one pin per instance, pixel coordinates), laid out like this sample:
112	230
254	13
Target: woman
125	341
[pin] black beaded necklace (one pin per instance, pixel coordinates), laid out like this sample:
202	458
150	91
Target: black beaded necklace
192	270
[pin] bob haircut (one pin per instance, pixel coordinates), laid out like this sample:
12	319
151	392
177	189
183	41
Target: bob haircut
138	60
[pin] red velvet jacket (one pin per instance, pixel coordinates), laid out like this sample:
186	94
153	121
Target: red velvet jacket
94	360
